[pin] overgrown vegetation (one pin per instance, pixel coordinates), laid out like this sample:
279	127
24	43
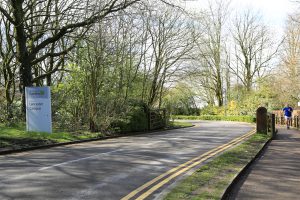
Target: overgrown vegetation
211	180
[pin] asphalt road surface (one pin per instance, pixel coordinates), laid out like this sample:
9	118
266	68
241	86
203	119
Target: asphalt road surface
110	169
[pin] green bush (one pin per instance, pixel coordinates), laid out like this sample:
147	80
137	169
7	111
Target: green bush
133	120
138	119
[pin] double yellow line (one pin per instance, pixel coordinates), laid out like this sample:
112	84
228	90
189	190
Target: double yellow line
173	173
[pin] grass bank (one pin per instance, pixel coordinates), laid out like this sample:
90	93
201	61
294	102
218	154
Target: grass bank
211	180
242	118
16	137
177	124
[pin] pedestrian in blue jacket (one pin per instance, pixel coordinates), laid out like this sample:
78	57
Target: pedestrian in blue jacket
288	115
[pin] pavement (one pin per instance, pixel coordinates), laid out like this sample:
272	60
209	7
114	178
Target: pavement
276	174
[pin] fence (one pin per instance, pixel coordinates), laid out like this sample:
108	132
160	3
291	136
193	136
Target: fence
280	120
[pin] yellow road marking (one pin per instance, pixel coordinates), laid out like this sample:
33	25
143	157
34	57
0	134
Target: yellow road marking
203	157
165	181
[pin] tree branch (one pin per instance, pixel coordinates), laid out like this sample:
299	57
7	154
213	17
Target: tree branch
6	14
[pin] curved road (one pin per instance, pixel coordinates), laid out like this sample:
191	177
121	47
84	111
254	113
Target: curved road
110	169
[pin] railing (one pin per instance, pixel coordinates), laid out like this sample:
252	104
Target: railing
295	120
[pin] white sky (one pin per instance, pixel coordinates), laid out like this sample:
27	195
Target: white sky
274	12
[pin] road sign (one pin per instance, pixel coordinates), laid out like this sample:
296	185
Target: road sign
38	109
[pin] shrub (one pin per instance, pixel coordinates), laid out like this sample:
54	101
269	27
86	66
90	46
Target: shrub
133	120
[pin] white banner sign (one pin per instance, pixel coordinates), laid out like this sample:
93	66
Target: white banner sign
38	109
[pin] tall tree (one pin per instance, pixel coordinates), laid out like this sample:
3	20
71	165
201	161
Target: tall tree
110	61
254	48
288	74
170	36
211	48
41	24
8	65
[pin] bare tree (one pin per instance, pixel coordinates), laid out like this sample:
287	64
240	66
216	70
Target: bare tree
291	48
170	36
254	48
211	50
288	73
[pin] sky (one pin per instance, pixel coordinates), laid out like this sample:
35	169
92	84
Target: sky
274	12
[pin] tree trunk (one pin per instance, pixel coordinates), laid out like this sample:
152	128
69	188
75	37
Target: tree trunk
92	104
22	51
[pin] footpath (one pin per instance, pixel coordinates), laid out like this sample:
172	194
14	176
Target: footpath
276	174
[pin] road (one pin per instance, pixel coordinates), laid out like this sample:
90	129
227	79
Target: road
114	168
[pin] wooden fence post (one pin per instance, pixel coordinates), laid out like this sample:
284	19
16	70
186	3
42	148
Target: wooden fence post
273	129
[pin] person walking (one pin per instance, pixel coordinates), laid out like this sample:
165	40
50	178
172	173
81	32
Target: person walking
288	115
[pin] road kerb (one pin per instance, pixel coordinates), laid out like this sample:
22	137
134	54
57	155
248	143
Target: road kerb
166	177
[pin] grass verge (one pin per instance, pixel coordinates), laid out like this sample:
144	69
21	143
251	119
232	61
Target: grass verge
177	124
211	180
16	137
242	118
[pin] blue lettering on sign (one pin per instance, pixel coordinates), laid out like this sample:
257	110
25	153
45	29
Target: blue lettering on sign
37	93
35	106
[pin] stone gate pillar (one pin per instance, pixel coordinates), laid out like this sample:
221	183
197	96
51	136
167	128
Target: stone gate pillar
262	120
